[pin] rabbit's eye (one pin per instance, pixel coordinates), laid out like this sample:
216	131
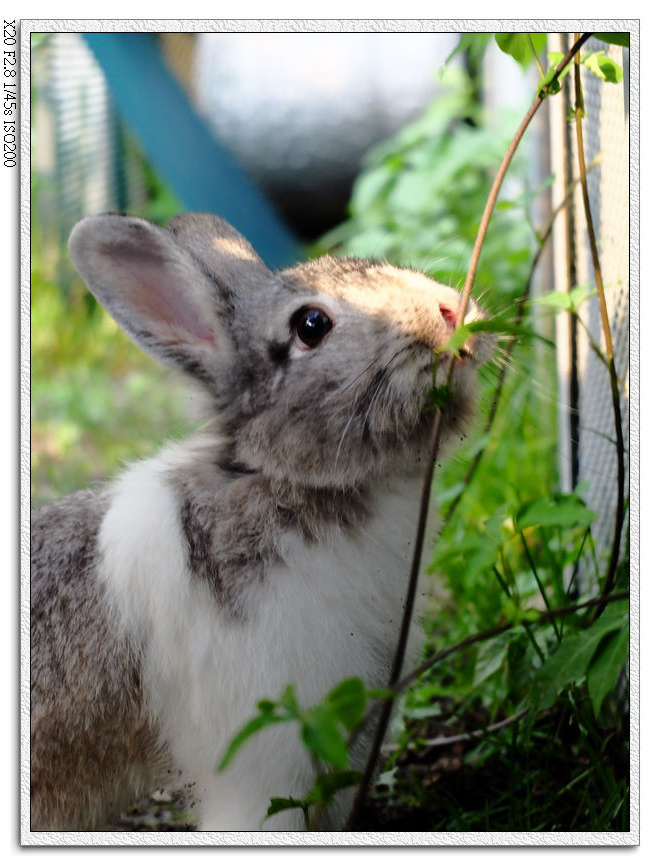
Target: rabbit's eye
310	327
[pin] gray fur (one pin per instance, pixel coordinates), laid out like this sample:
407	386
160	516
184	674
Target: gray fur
232	530
84	676
297	445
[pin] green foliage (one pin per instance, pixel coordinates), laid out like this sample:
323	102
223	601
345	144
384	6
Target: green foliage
419	200
525	47
575	656
622	39
96	400
322	727
522	46
603	67
472	46
596	62
571	301
324	730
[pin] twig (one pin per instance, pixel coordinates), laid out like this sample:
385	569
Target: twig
387	705
429	663
442	741
521	306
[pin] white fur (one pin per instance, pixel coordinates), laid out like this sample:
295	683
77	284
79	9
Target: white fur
331	611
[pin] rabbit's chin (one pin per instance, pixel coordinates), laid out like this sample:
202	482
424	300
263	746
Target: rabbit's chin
306	464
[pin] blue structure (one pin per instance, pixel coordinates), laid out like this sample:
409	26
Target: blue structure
181	148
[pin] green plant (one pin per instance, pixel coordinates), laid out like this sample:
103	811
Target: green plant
323	728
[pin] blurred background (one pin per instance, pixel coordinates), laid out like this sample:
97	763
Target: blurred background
293	113
382	145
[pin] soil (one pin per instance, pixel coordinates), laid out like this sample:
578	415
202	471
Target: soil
458	785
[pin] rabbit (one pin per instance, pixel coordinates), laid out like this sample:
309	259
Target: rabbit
271	547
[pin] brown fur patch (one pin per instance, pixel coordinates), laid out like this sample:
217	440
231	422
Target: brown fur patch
232	530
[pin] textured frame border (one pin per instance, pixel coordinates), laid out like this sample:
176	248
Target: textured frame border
337	839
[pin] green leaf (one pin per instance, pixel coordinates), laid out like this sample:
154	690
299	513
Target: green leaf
279	804
348	702
579	294
438	397
604	67
554	57
556	300
381	694
457	340
571	660
249	729
518	46
491	656
560	512
614	38
570	301
287	701
605	668
271	712
321	735
495	324
372	186
472	43
614	615
328	785
548	80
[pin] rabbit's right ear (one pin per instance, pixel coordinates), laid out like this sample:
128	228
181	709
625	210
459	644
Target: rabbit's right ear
155	290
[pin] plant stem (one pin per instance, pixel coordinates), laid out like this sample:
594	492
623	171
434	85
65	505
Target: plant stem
527	628
387	705
425	666
609	350
382	726
534	53
521	308
498	180
549	615
443	741
540	584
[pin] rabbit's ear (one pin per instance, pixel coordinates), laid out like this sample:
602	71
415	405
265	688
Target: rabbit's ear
219	248
155	290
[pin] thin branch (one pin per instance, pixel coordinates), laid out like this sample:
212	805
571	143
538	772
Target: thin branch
434	660
579	114
540	68
498	180
512	341
442	741
387	705
540	584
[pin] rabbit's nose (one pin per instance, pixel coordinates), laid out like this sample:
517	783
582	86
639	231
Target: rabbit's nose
449	314
432	323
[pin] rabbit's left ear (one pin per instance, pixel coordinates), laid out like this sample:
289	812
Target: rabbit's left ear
221	250
155	290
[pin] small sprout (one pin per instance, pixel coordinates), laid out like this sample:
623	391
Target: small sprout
439	397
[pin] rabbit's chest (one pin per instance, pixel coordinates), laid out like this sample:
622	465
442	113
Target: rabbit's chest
334	607
312	613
